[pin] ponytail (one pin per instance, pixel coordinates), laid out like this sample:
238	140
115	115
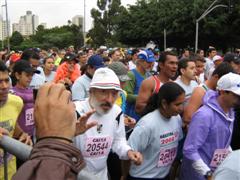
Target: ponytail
152	104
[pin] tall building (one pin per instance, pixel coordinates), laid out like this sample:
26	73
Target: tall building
78	20
27	24
3	28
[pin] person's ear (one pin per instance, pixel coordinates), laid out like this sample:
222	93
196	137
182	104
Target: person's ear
164	104
216	77
17	75
182	70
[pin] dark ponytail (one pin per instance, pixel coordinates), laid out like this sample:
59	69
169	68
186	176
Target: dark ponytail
168	92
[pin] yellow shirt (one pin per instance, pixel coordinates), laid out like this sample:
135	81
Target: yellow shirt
8	118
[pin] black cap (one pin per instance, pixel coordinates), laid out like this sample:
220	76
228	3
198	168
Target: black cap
231	57
24	66
70	56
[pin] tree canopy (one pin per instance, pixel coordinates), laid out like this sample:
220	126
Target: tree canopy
147	19
60	37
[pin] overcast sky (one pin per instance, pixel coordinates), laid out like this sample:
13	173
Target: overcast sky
52	12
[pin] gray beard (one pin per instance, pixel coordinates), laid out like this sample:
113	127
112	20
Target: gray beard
95	106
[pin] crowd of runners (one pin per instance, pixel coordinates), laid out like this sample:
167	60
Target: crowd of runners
122	114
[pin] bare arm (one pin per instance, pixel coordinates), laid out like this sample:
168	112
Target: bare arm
194	104
144	94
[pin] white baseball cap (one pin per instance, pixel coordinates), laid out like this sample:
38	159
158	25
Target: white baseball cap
229	82
105	78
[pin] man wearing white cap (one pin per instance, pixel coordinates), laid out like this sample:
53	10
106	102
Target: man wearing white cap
209	136
109	132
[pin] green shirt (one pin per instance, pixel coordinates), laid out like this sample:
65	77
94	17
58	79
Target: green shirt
129	87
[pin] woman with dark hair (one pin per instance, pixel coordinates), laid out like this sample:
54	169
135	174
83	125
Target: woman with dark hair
47	69
23	73
157	133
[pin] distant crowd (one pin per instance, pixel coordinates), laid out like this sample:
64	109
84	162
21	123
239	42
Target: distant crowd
132	113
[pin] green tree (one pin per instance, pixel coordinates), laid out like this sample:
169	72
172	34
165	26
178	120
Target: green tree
147	19
105	22
59	36
16	38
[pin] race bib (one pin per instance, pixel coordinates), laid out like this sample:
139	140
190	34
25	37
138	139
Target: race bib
97	146
29	117
167	156
169	138
218	157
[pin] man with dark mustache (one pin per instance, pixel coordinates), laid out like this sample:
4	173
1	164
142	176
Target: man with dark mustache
109	134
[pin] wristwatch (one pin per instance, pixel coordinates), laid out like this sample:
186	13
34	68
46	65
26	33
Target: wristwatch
208	174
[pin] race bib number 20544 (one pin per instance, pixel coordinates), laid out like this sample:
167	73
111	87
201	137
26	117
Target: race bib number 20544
97	146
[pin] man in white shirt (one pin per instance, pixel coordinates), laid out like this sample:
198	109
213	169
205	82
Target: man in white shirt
187	79
109	134
209	63
80	88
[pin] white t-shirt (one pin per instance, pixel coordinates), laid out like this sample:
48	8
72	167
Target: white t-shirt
201	78
48	78
131	65
37	81
156	137
95	144
208	65
210	72
155	67
80	88
187	88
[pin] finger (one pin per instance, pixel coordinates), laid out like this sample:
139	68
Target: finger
134	159
91	124
29	141
55	91
65	97
43	91
137	158
21	139
85	117
140	159
137	161
4	131
88	114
